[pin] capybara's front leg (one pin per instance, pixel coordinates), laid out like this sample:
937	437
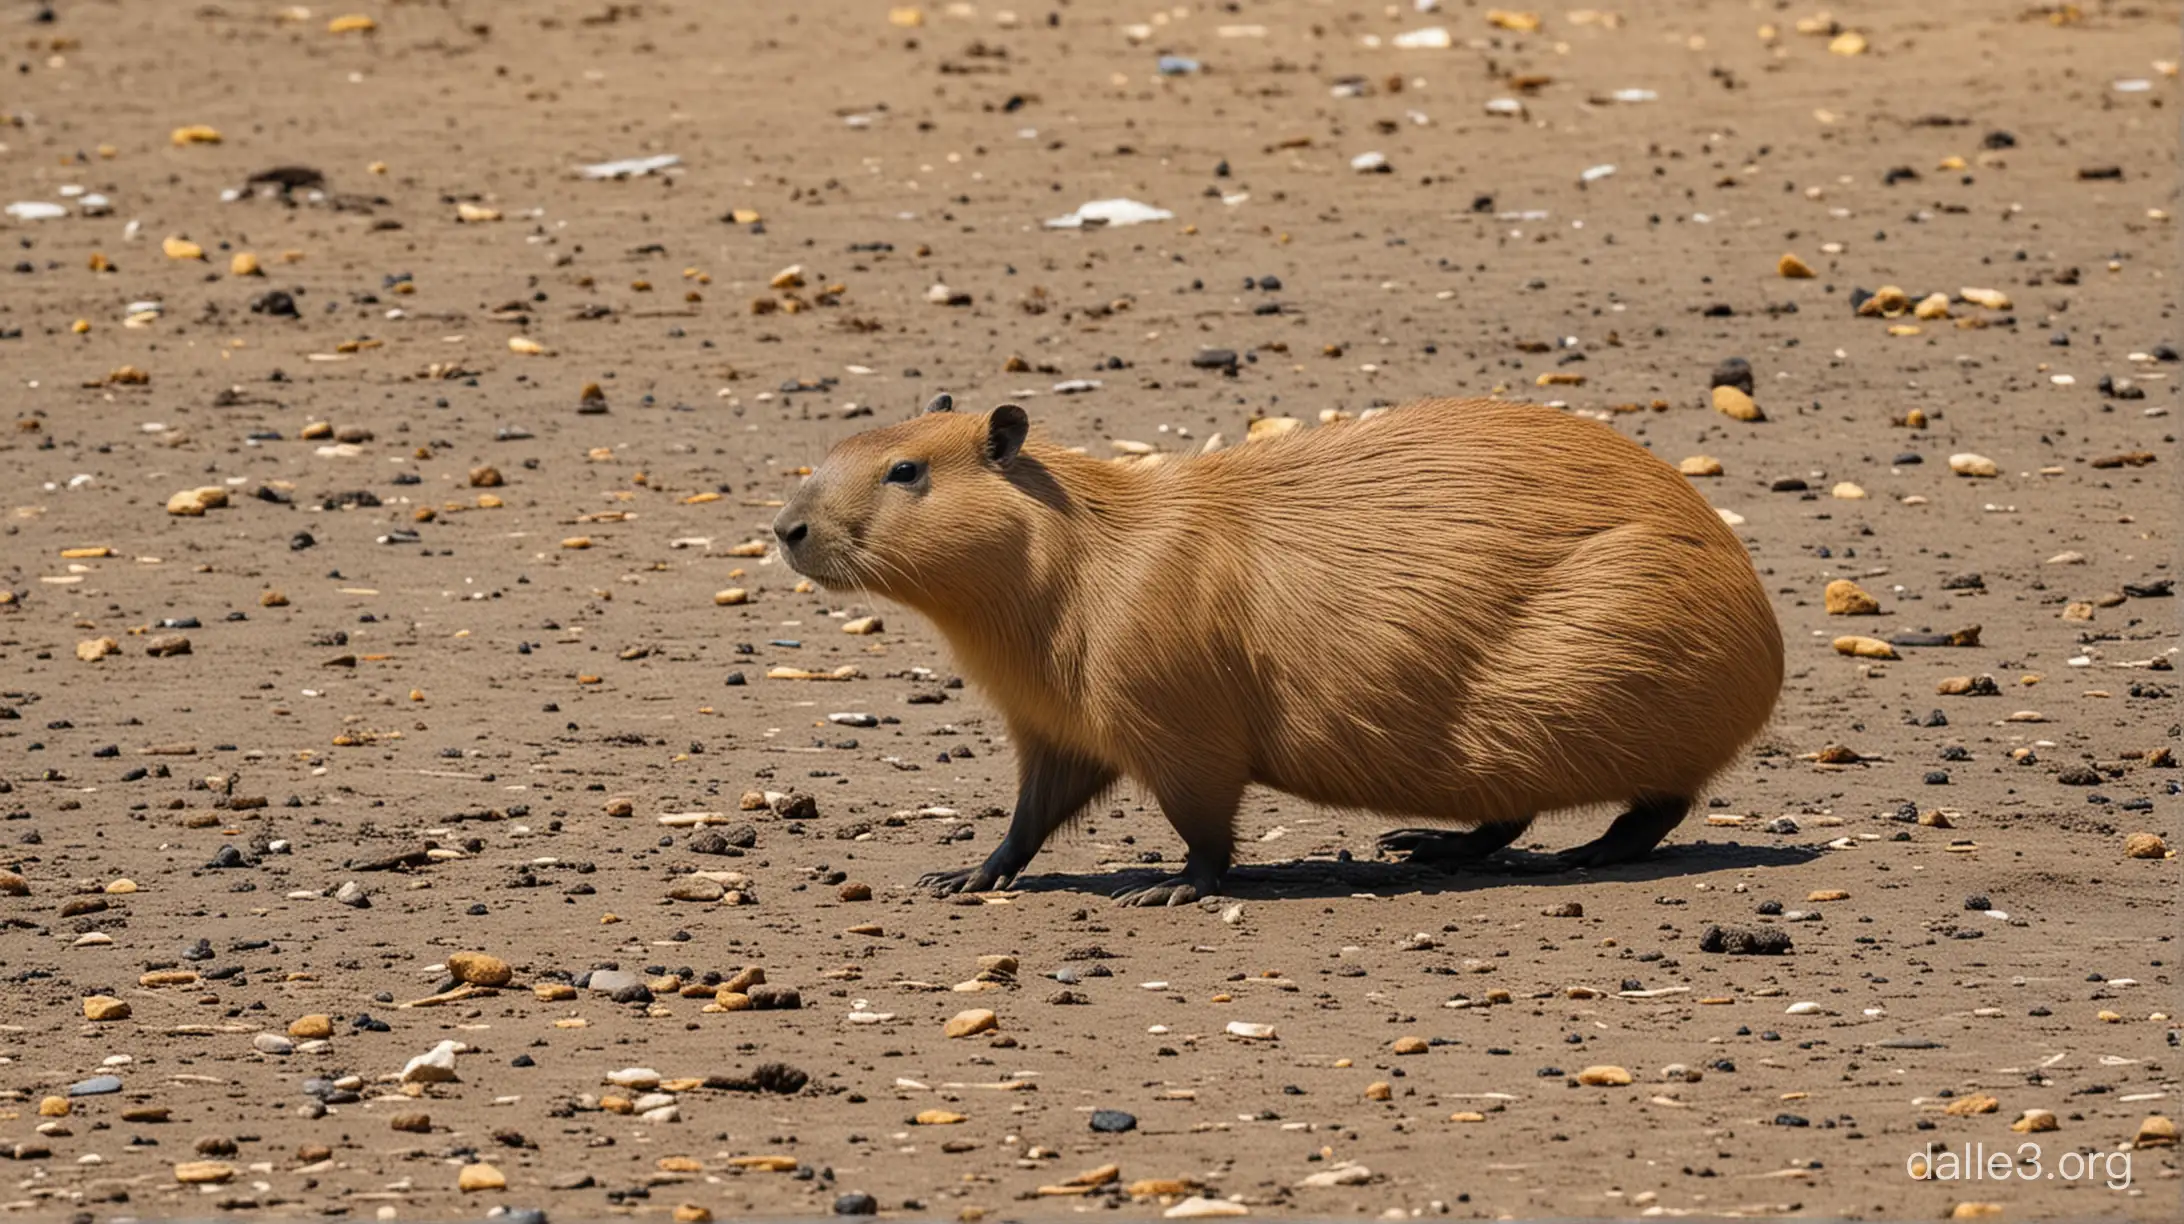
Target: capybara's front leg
1051	786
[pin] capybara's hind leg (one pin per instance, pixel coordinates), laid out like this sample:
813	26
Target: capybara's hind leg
1204	813
1051	787
1633	835
1442	848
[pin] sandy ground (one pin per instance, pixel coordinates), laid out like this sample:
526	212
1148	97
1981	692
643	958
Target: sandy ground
403	681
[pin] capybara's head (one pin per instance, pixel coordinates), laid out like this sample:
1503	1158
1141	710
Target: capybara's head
923	512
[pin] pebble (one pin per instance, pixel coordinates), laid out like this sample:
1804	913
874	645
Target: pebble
1846	598
203	1172
1250	1031
697	888
272	1043
2145	846
971	1022
166	645
1969	464
479	969
193	503
1113	1121
1864	647
1201	1208
2155	1131
1745	941
1604	1076
1410	1045
854	1204
97	1085
434	1066
476	1177
1790	267
1735	404
104	1008
2034	1121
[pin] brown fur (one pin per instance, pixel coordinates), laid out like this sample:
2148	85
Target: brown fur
1460	611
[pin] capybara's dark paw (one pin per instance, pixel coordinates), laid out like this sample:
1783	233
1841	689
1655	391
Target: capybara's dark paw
1176	890
983	878
1444	848
1426	845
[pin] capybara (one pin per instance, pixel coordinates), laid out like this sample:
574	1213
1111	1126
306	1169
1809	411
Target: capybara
1467	612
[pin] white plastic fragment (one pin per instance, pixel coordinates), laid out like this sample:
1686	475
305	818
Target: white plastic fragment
1110	212
628	167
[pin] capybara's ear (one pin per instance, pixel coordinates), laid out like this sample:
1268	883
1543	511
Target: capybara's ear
943	402
1005	430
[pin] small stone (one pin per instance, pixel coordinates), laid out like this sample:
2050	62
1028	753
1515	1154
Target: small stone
181	248
479	969
729	597
13	884
2033	1121
641	1079
971	1022
1992	299
91	650
775	998
939	1117
1736	405
855	890
243	263
203	1172
1846	598
103	1008
311	1027
1790	267
192	503
434	1066
166	645
272	1043
1249	1031
1379	1090
1745	941
1113	1121
1968	686
352	894
2155	1131
854	1204
691	1213
697	888
476	1177
1977	1103
1975	1211
864	626
1864	648
54	1107
2145	846
1604	1076
97	1085
411	1123
1846	491
1410	1045
1979	466
1272	427
1202	1208
1700	465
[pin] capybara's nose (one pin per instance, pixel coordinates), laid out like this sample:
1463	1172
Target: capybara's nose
789	533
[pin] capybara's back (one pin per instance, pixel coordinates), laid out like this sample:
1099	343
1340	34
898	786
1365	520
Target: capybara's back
1461	611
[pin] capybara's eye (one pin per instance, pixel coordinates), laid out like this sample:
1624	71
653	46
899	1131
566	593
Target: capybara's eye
905	472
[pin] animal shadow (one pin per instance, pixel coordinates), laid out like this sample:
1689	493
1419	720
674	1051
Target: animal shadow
1323	879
